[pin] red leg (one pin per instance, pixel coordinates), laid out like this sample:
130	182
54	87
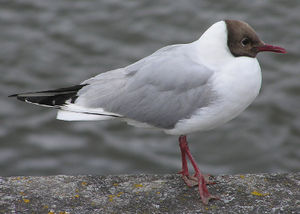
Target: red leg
198	177
189	180
185	170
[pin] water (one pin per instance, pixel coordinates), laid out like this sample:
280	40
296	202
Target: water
57	43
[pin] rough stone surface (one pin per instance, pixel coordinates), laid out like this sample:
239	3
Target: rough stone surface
257	193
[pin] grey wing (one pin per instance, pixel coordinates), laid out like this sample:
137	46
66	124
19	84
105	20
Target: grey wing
159	90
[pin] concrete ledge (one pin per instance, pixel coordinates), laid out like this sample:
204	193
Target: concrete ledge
257	193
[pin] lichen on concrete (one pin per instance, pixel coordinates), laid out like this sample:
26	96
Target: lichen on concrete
251	193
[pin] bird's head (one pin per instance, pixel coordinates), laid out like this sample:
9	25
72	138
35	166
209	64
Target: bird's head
242	40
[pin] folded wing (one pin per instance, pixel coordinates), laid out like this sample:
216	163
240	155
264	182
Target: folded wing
158	90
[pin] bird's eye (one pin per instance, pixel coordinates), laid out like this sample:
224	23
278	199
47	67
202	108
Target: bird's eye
245	41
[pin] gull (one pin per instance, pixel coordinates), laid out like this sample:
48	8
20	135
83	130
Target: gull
178	89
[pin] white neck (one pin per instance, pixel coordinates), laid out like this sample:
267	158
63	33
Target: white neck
212	45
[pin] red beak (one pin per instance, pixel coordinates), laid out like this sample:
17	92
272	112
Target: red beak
266	47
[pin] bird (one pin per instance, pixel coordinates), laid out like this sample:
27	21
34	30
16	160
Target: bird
179	89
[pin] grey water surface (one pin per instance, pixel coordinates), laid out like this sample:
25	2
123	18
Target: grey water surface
58	43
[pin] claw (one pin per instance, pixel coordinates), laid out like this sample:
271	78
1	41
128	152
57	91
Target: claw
206	199
181	172
209	179
190	181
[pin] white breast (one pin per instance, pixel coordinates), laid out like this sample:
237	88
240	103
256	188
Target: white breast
236	84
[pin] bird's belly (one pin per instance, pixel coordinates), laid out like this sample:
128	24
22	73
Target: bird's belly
235	92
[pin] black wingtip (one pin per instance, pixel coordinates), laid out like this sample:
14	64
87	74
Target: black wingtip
51	98
21	98
18	97
13	95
